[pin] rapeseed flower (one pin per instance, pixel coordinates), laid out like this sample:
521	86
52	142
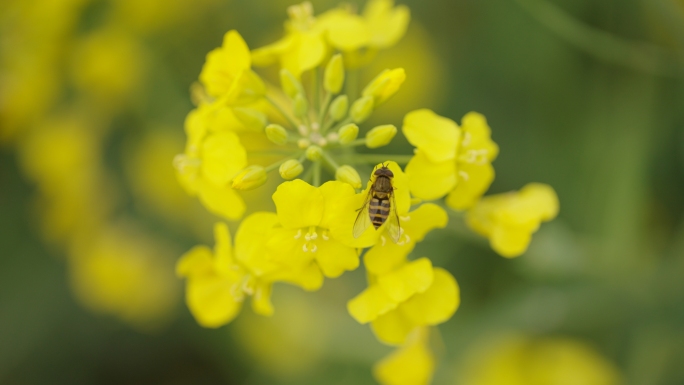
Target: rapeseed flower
510	219
450	159
411	364
218	281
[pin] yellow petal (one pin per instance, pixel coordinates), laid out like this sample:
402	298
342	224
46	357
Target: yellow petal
222	201
412	364
298	204
385	85
429	180
261	299
383	258
212	301
473	182
477	135
422	220
223	250
196	261
438	137
250	247
334	258
223	156
223	65
510	242
386	25
392	328
267	55
437	304
414	277
341	217
346	31
333	193
238	52
309	278
370	304
289	249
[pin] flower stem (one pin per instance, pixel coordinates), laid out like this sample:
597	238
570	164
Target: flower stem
324	109
331	162
377	158
317	173
277	164
282	112
339	125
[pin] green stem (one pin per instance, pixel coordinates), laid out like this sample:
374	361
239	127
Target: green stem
316	92
324	109
317	173
329	159
271	152
282	112
378	158
644	57
277	164
352	84
339	125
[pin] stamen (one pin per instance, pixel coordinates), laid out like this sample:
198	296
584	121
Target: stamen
464	175
314	248
324	235
382	238
306	250
466	139
299	234
405	219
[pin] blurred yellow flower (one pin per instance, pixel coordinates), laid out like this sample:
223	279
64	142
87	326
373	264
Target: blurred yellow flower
510	219
219	281
306	214
448	159
121	272
411	364
385	85
227	73
521	360
414	294
108	65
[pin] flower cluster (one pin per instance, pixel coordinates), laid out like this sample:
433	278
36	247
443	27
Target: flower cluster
244	129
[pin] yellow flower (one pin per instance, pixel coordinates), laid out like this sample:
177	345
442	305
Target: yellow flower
302	48
450	160
514	359
306	214
210	162
384	255
219	281
510	219
386	24
119	271
227	73
413	294
411	364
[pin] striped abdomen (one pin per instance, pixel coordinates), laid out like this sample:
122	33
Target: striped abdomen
379	209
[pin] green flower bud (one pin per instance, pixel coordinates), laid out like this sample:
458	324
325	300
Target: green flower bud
348	133
361	109
300	106
250	178
339	107
314	153
380	136
276	134
290	169
290	84
334	75
348	174
251	118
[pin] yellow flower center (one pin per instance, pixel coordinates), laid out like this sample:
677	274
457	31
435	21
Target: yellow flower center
310	238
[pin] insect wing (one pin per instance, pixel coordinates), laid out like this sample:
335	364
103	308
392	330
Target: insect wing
393	226
363	217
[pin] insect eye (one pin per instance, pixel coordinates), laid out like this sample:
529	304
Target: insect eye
389	173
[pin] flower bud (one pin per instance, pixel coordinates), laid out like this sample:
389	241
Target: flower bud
348	133
339	107
348	174
251	118
290	84
385	85
290	169
334	75
380	136
276	134
250	178
300	106
361	109
314	153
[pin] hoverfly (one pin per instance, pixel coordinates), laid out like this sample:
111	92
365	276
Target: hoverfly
379	206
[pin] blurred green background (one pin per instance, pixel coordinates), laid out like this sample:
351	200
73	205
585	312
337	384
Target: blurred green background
585	95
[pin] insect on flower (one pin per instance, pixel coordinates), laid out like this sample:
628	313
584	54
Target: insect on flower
379	206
